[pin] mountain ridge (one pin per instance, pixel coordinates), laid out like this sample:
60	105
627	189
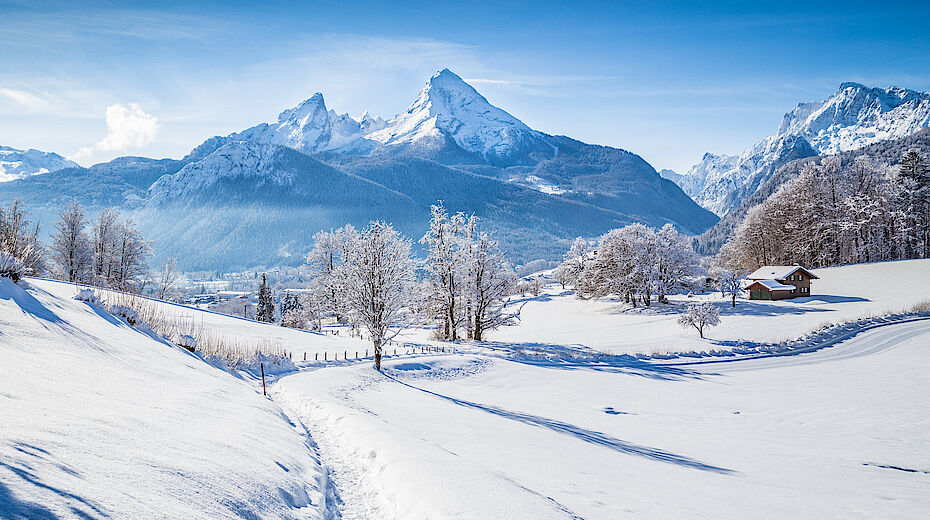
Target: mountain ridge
852	117
16	164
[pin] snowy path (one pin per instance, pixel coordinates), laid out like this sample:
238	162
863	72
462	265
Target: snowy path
863	344
837	433
355	495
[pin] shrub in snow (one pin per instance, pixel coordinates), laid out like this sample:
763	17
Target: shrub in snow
127	313
187	341
11	267
700	315
87	295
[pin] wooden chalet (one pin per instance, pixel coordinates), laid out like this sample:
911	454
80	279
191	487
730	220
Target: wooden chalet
779	282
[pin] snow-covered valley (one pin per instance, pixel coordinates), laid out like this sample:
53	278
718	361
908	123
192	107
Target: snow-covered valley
101	419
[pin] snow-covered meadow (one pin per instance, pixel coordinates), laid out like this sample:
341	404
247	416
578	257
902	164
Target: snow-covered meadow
558	317
101	419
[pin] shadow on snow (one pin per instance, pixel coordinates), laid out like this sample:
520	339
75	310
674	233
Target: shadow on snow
589	436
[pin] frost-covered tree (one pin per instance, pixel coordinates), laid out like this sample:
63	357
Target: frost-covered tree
324	260
914	178
19	239
573	263
292	311
731	283
488	282
379	282
675	262
71	247
167	277
131	257
445	243
11	267
105	235
264	310
699	316
838	213
637	262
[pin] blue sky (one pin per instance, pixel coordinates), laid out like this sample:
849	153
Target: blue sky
668	81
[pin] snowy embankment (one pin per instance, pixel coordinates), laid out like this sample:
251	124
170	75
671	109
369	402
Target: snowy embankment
101	420
239	330
838	433
558	318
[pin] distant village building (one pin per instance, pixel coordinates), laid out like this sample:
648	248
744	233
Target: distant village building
779	282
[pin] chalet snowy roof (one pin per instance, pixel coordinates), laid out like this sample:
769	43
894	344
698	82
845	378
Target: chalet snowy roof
778	272
773	285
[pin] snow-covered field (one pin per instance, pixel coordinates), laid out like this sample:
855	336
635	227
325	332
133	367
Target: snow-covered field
472	437
841	294
98	419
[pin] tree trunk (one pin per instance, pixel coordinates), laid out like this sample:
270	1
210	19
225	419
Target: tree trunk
734	299
377	343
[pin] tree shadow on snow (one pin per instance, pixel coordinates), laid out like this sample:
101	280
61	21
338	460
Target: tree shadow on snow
829	298
27	302
12	507
580	357
627	365
589	436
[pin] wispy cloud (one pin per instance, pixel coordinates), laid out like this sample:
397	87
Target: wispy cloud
25	99
551	85
35	26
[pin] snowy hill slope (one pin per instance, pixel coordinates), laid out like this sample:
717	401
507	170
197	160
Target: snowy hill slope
853	117
16	164
103	421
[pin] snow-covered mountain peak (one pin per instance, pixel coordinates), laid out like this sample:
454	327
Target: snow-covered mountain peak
852	117
15	164
307	127
310	109
448	107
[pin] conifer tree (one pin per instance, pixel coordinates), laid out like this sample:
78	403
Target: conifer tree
265	310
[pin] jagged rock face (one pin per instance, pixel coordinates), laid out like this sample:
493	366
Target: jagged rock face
16	164
306	127
853	117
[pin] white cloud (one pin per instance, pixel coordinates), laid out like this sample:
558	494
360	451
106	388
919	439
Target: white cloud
128	128
26	99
